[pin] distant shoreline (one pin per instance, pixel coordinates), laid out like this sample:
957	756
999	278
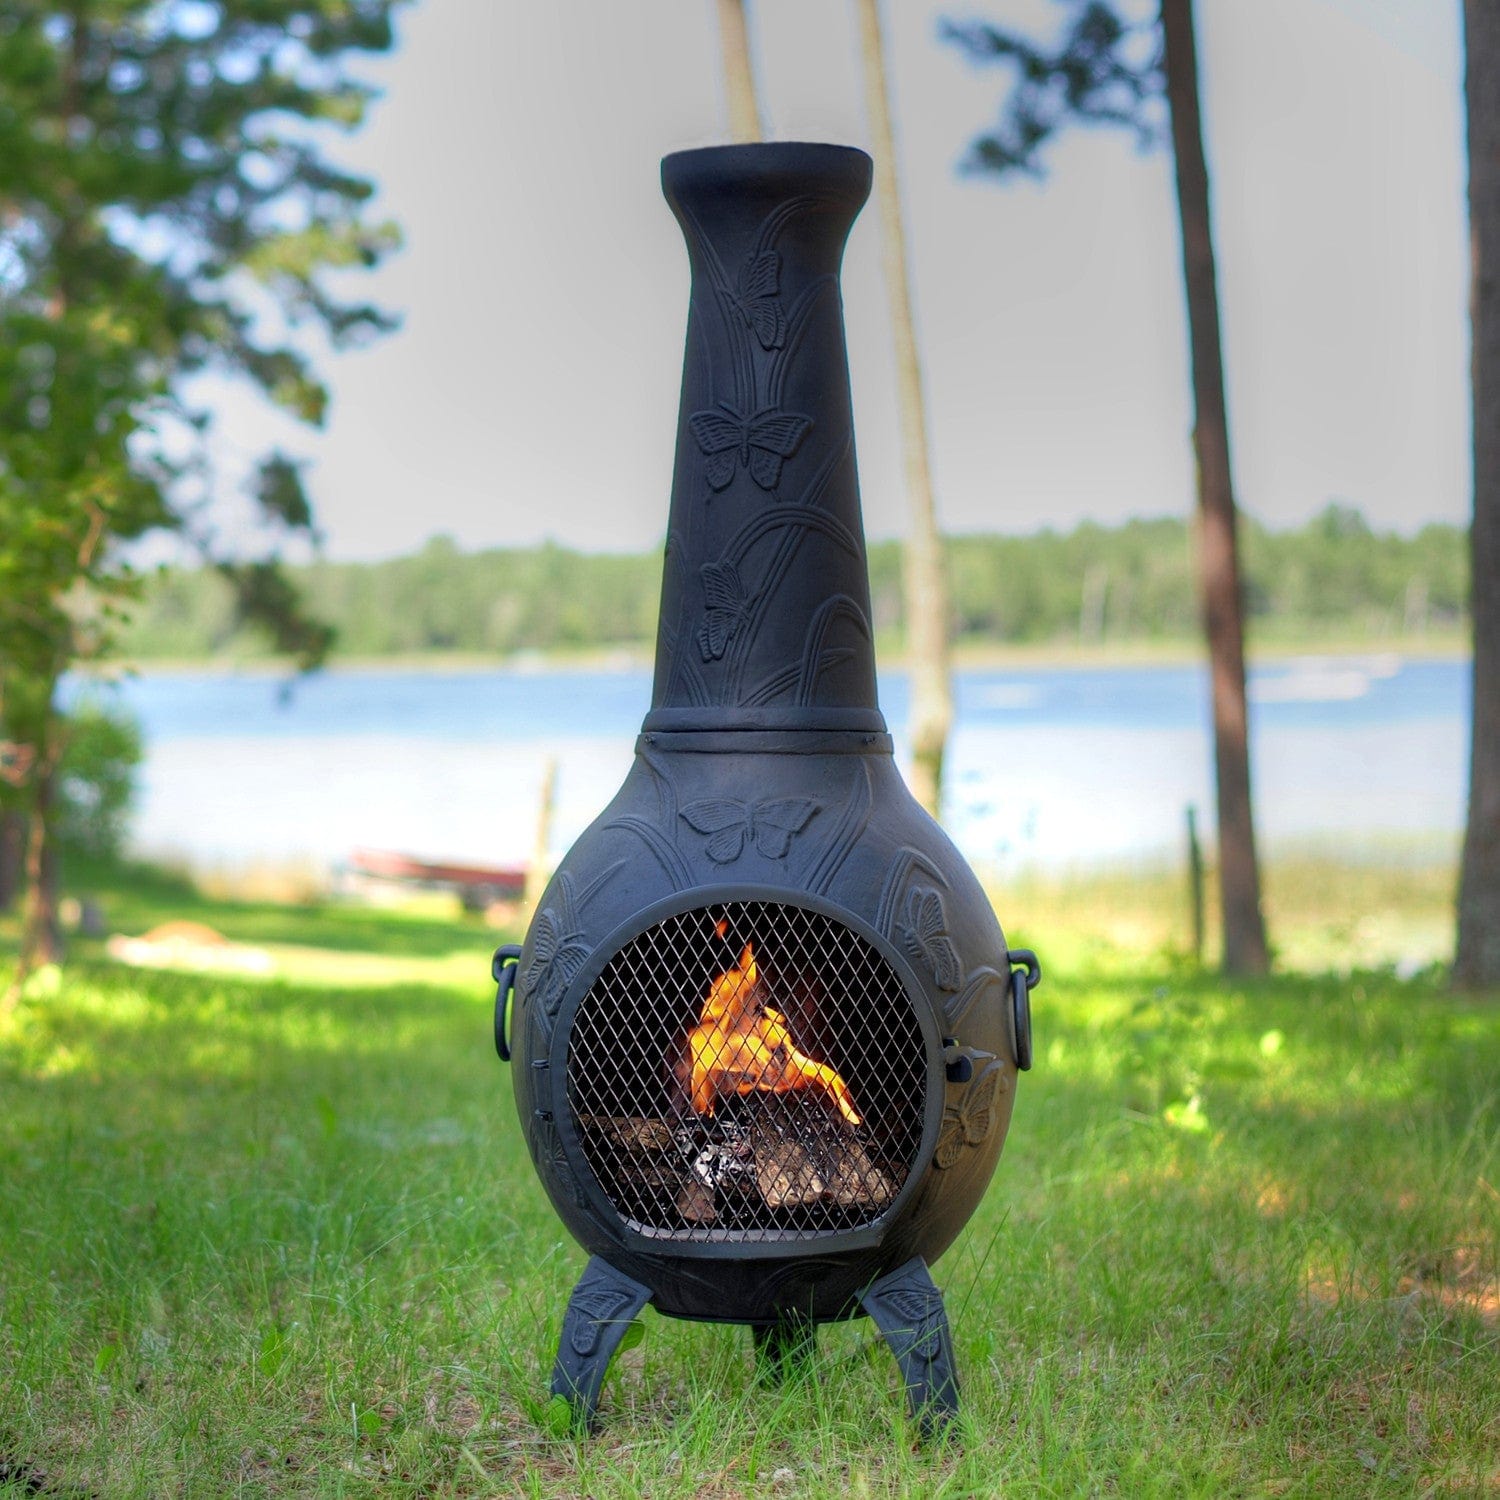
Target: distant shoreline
994	656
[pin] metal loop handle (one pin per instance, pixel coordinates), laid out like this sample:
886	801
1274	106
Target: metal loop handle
503	967
1025	975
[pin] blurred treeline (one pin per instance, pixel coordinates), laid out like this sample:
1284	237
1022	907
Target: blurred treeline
1334	580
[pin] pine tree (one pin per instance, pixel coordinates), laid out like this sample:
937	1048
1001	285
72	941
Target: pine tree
1111	72
1477	962
167	210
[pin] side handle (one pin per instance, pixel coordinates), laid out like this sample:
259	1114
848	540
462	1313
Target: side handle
503	966
1025	975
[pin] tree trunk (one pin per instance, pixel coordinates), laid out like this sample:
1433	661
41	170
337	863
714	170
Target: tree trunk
739	77
924	576
12	834
1477	961
1218	559
41	934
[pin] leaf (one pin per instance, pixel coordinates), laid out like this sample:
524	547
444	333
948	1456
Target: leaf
107	1355
272	1355
634	1333
1186	1114
1270	1043
559	1417
368	1423
327	1115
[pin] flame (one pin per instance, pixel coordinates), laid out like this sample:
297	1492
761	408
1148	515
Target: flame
741	1046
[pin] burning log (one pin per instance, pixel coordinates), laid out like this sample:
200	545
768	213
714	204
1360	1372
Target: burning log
785	1174
804	1155
856	1180
742	1046
633	1132
696	1203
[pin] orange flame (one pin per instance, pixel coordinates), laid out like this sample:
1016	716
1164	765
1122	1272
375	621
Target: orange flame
741	1046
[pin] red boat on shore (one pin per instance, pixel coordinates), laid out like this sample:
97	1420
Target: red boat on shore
478	886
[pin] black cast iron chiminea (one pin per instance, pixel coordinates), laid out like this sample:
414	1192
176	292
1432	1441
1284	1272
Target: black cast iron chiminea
765	1025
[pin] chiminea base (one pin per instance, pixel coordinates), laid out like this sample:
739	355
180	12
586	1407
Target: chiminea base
599	1312
905	1306
908	1309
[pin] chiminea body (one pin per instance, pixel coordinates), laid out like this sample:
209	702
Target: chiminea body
766	1028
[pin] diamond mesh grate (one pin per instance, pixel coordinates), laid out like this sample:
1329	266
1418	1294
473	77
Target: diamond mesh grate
790	1107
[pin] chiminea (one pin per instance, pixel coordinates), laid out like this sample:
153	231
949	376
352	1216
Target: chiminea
765	1025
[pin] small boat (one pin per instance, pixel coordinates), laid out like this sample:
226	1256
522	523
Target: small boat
477	885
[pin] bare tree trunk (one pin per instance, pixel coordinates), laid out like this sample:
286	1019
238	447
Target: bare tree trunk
1219	572
41	934
12	832
1477	961
924	575
739	77
539	871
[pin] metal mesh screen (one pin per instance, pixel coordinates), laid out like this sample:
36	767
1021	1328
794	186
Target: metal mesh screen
748	1067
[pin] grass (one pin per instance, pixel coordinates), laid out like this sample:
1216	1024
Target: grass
284	1238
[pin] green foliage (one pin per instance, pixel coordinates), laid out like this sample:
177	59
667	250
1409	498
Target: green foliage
169	209
96	786
1105	69
1334	578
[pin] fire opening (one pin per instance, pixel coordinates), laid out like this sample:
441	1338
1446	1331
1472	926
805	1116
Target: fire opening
750	1066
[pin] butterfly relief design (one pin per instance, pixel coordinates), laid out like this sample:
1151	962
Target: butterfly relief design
558	948
969	1122
769	825
925	934
761	442
923	1313
594	1310
757	295
728	608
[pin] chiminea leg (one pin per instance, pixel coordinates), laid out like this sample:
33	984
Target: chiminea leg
781	1346
908	1310
599	1312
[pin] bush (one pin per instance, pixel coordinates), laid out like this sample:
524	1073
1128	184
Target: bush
97	786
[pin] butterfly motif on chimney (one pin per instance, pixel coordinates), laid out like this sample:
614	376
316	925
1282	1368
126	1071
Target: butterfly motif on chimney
969	1122
558	947
925	935
757	295
760	442
728	608
770	824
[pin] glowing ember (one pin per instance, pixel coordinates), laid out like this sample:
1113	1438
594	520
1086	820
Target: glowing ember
742	1046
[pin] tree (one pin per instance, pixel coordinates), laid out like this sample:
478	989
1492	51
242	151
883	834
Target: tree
166	210
924	576
1477	960
1117	72
739	76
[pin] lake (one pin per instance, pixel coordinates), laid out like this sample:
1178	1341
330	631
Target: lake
1055	767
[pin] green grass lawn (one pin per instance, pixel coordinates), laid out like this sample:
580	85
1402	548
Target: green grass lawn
283	1238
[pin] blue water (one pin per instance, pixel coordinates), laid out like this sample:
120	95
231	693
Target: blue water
1049	766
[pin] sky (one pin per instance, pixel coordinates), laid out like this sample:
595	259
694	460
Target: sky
531	392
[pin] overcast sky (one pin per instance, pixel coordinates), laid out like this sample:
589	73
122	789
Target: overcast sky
532	389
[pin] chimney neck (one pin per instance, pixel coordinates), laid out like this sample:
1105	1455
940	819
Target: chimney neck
765	618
